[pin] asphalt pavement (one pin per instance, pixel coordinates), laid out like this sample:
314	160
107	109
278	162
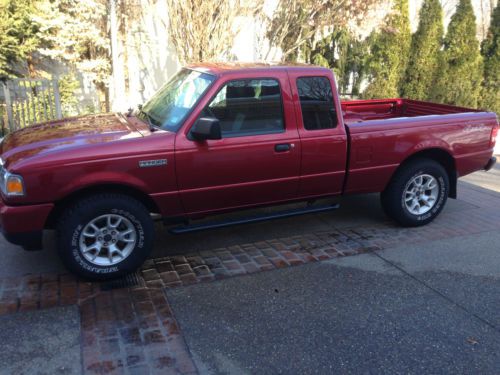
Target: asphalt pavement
412	310
45	342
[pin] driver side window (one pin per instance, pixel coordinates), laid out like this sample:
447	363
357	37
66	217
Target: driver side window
248	107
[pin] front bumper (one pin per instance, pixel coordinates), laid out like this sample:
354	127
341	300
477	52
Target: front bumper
23	225
490	163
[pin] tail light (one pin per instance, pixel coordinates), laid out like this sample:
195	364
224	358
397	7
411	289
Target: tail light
494	134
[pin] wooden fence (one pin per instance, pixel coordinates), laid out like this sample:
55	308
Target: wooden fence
29	101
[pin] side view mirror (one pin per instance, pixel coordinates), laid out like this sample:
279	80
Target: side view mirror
206	128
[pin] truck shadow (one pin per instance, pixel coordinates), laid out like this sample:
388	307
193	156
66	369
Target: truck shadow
355	212
360	210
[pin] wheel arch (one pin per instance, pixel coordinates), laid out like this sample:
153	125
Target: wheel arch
441	156
130	191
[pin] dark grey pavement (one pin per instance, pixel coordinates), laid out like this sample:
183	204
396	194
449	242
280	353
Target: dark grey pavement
14	261
357	315
464	269
488	180
41	342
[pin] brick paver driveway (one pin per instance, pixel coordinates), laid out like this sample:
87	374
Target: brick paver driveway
128	326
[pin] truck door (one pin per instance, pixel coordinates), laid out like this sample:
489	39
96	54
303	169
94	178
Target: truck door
257	160
322	134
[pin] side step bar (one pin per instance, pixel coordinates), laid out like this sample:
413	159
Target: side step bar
252	219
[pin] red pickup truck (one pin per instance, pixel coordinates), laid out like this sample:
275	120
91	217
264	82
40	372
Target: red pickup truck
222	137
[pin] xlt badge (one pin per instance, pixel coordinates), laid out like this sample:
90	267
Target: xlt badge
152	163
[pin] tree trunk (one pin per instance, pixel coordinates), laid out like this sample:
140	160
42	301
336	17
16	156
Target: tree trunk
31	66
118	93
103	96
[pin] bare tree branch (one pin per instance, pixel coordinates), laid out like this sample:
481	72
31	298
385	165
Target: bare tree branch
204	30
294	22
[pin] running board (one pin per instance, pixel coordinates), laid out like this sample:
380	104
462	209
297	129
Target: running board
251	219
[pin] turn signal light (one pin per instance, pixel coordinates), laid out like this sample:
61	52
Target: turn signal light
15	186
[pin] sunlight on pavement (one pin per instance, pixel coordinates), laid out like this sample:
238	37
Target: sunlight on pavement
487	180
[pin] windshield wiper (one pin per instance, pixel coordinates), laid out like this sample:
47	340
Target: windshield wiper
148	118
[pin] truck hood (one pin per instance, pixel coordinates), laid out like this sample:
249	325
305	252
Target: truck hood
66	134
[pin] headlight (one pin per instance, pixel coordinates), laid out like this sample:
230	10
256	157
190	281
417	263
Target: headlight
12	185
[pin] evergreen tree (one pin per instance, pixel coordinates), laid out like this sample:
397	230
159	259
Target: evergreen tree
390	50
425	52
18	36
344	54
460	76
76	33
490	98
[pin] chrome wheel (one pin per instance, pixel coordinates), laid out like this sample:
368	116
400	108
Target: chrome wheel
107	240
421	194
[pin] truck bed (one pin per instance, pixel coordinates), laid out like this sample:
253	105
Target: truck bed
385	132
379	109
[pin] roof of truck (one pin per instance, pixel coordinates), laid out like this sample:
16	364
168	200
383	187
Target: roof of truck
224	67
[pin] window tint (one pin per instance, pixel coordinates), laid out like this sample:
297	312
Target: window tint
248	107
316	101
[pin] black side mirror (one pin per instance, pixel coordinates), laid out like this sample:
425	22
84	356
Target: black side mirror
206	128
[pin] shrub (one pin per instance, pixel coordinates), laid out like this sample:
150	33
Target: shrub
425	53
461	71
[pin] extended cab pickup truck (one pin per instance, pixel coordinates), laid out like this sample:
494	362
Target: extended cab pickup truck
223	137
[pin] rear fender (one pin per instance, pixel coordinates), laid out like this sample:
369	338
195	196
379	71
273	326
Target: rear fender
442	156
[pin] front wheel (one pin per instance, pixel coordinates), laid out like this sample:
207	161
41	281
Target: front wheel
417	193
105	236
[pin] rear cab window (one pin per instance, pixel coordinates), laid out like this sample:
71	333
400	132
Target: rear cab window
316	103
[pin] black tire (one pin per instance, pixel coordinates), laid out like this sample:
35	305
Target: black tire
393	197
74	220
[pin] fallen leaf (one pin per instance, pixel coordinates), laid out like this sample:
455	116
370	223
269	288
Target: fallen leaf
471	340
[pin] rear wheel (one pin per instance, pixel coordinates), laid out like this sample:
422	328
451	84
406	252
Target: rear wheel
105	236
417	193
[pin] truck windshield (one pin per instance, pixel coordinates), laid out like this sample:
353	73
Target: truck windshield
169	107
